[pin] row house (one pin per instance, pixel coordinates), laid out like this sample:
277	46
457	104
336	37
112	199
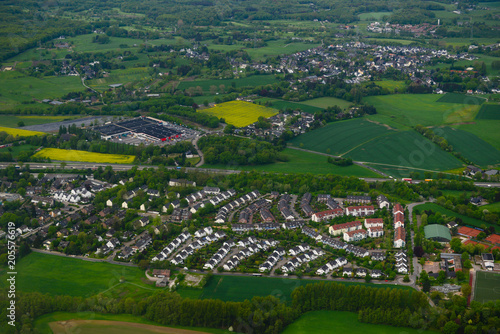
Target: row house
359	199
219	255
375	231
402	265
310	232
272	259
357	251
298	249
293	225
374	222
399	220
334	243
331	265
203	232
325	215
355	235
340	229
267	226
378	256
360	211
400	237
174	244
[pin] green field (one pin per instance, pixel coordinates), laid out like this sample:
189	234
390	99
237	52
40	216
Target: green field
487	130
41	324
301	162
254	80
373	16
240	113
461	98
326	322
17	88
489	111
487	287
325	102
75	277
58	154
284	105
493	207
239	288
278	47
413	109
11	121
83	43
467	220
15	150
391	84
470	146
119	76
340	137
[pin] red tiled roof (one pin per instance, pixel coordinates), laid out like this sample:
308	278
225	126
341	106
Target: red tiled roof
400	233
346	225
374	221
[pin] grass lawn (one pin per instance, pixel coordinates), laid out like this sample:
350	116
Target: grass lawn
340	137
413	109
15	150
471	146
467	220
484	129
84	156
254	80
41	324
325	102
12	120
487	287
489	111
326	322
302	162
240	113
493	207
75	277
239	288
21	132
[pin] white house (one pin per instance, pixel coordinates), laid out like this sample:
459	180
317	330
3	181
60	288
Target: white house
375	232
355	235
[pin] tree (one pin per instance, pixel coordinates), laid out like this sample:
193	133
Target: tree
20	124
143	264
418	251
450	328
406	279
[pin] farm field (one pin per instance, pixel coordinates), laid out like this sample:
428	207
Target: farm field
239	288
84	156
44	323
325	102
17	88
487	130
284	105
411	109
254	80
278	47
75	277
240	113
467	220
489	111
12	120
301	162
83	43
340	137
471	147
390	84
487	287
322	322
406	148
373	16
119	76
461	98
20	132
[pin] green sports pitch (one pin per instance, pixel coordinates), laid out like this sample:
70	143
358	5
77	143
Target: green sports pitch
487	287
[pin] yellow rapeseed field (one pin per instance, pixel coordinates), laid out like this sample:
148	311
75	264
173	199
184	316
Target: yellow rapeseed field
84	156
19	132
240	113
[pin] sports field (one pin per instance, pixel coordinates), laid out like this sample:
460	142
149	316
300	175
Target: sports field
461	98
325	102
424	109
20	132
340	137
240	113
487	287
128	323
301	162
489	111
239	288
326	322
75	277
471	146
58	154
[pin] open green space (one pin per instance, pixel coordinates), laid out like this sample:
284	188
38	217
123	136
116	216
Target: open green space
16	88
373	16
471	146
466	220
119	76
325	102
284	105
41	324
278	47
493	207
301	162
391	85
487	287
484	129
254	80
337	138
83	43
489	111
11	121
326	322
15	150
407	148
461	98
76	277
239	288
413	109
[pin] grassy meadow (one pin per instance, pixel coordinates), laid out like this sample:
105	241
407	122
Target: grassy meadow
325	102
461	98
489	111
326	322
240	113
284	105
467	220
20	132
487	130
83	156
254	80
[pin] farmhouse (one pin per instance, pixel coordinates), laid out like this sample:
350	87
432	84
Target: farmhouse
346	227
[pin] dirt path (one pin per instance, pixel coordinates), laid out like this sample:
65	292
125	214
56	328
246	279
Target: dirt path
75	326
